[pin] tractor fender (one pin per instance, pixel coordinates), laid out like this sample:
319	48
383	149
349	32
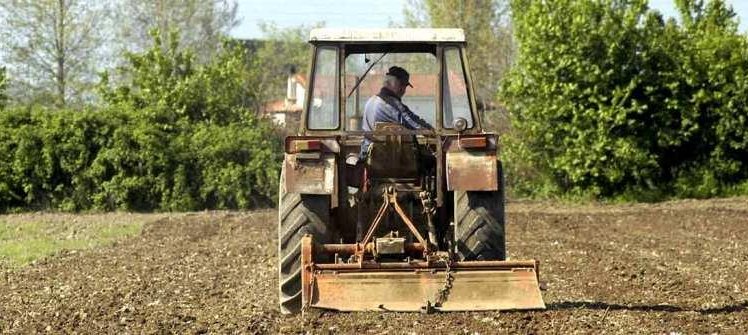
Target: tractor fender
310	166
472	168
310	175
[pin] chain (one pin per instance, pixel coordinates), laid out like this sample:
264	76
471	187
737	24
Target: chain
443	293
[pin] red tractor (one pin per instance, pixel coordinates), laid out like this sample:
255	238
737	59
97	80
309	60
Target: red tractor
418	225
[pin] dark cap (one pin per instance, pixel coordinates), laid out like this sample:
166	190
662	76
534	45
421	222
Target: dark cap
400	74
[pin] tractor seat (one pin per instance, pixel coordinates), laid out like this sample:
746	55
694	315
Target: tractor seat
393	157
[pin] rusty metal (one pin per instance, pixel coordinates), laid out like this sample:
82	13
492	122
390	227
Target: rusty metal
307	276
424	265
389	246
326	144
473	142
471	289
390	202
443	293
307	176
350	249
429	209
409	286
472	171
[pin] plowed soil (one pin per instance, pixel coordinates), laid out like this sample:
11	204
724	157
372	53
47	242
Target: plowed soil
678	267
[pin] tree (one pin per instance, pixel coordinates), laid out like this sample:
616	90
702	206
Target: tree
200	23
609	99
52	47
487	29
3	88
190	141
173	86
272	70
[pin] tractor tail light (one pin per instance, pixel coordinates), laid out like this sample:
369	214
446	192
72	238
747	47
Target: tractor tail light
473	142
307	145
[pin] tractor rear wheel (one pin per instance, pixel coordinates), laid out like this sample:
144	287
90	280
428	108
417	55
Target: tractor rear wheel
479	224
299	214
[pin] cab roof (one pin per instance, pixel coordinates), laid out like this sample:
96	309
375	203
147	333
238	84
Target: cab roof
387	35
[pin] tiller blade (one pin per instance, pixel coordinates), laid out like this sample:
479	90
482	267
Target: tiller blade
418	286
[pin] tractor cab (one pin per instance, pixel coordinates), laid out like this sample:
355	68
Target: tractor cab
415	221
348	68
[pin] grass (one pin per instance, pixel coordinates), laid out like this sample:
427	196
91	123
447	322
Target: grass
25	238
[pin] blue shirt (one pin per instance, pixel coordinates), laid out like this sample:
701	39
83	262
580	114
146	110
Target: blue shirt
387	107
378	110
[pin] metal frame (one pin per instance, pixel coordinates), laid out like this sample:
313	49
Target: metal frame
466	76
415	273
387	35
312	78
390	201
340	130
329	285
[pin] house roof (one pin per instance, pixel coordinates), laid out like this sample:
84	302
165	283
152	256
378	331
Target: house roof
388	35
281	106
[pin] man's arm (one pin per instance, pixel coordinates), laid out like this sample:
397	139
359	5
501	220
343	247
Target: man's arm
413	121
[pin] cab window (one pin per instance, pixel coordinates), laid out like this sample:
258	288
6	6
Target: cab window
423	68
455	96
323	105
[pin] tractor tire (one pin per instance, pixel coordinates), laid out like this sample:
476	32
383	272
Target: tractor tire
299	214
479	224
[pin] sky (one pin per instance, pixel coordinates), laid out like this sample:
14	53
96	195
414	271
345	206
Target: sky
366	13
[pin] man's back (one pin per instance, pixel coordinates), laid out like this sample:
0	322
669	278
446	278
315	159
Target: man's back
387	107
377	110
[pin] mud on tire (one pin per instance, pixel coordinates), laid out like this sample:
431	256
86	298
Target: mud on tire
479	224
299	214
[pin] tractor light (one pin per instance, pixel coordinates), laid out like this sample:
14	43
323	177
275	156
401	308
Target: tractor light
473	142
307	145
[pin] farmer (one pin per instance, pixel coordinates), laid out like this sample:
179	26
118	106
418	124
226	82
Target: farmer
387	106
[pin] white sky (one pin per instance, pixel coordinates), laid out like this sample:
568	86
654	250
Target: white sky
365	13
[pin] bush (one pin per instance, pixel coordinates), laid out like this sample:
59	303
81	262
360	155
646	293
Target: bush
609	99
172	135
106	160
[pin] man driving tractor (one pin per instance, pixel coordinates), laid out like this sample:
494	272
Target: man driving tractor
419	224
387	106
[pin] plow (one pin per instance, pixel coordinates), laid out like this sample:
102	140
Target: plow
414	223
426	280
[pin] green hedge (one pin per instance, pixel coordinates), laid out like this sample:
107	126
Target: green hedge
609	99
169	134
106	160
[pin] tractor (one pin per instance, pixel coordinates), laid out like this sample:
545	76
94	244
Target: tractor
416	224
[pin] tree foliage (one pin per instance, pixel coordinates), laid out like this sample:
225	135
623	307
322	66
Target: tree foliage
608	98
272	70
488	32
51	47
200	23
175	135
168	85
3	88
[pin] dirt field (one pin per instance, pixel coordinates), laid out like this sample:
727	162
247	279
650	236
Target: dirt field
679	268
